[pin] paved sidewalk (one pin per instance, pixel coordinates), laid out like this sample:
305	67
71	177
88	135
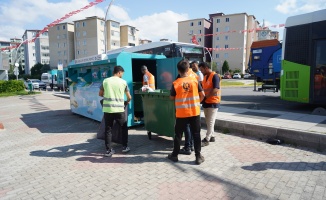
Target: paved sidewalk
46	152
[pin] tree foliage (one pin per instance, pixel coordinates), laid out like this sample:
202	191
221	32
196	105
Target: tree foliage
225	67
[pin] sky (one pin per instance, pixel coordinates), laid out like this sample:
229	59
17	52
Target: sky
154	19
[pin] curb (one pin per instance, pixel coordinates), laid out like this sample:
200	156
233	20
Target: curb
294	137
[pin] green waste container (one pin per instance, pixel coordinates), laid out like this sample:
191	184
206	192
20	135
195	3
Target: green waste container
159	113
138	105
30	86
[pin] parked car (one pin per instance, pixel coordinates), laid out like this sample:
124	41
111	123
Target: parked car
246	76
34	83
41	84
227	76
236	75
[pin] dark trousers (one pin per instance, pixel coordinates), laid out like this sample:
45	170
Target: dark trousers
120	118
180	126
188	137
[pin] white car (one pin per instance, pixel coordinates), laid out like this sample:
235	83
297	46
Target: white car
34	82
247	76
236	75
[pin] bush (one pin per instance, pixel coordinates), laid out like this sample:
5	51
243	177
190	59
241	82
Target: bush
11	86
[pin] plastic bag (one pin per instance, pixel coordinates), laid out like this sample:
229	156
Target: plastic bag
146	88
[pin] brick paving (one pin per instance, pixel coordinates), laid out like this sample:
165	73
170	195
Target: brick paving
46	152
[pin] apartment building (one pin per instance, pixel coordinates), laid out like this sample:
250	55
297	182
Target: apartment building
200	28
113	34
128	36
61	44
5	56
17	54
89	37
33	48
230	38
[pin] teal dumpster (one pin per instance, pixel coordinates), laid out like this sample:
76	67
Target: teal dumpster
30	86
159	113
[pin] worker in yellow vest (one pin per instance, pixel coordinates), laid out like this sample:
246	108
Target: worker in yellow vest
148	78
187	93
212	87
113	90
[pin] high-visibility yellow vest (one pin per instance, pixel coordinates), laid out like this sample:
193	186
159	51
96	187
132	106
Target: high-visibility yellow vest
113	98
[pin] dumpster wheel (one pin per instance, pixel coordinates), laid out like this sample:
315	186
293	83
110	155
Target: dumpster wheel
149	135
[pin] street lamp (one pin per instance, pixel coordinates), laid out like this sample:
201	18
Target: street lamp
16	71
105	34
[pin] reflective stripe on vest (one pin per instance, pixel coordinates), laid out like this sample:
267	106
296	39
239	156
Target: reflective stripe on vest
208	88
151	80
113	99
187	101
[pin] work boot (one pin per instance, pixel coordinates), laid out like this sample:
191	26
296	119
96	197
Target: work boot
173	158
185	151
199	159
204	142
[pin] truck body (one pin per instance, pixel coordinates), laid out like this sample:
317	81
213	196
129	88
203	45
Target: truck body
54	78
265	63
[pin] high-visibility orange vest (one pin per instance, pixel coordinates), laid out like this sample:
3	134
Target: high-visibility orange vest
318	81
208	87
151	80
187	101
193	74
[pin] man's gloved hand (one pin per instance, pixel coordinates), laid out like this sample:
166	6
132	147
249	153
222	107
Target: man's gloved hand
203	101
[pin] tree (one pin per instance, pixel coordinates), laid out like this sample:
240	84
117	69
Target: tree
46	68
36	70
237	70
225	67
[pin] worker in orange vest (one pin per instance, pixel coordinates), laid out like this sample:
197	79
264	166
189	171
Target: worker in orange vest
187	95
211	85
318	81
148	78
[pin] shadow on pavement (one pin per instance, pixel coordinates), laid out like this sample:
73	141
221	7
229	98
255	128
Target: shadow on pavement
290	166
232	189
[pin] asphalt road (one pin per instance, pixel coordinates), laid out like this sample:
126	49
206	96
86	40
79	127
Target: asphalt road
246	97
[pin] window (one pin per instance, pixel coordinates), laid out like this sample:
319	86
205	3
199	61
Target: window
217	46
199	23
102	42
85	42
84	24
58	36
227	28
216	29
102	23
78	34
191	24
58	45
218	21
78	52
227	19
78	43
199	31
226	55
217	38
33	54
226	46
226	37
59	53
64	36
191	32
199	39
77	24
115	24
58	27
64	53
64	44
33	47
84	33
63	27
33	33
217	55
66	61
85	52
45	34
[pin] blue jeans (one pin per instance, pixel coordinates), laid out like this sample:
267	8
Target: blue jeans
188	137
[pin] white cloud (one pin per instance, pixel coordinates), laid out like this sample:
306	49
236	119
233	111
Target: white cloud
300	6
158	25
19	15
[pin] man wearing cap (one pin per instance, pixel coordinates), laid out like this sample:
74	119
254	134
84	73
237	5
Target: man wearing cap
148	78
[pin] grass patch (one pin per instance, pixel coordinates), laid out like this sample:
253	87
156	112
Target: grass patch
258	84
231	83
23	92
